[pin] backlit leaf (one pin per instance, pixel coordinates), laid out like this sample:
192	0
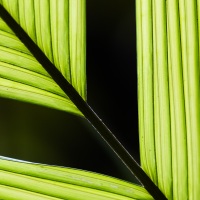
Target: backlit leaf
22	180
168	68
58	28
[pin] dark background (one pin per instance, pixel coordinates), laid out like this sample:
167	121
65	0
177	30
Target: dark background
44	135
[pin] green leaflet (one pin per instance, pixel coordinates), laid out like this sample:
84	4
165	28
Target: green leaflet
58	28
171	78
145	102
35	181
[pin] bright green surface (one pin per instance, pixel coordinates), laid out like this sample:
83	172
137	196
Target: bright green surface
145	76
177	107
175	110
162	112
62	183
58	28
192	94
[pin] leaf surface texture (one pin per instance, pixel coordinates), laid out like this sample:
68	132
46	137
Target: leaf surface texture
169	94
58	28
22	180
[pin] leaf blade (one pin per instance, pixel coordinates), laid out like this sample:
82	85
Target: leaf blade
58	53
179	145
63	182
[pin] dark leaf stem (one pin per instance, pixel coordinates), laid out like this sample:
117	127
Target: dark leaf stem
90	115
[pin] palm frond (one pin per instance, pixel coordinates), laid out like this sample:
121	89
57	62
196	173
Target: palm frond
169	60
59	32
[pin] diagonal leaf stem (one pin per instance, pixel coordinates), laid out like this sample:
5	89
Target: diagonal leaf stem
90	115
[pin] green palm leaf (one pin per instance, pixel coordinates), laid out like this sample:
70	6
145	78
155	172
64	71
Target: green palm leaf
169	94
59	32
22	180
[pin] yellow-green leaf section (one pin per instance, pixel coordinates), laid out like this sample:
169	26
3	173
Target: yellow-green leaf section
22	180
169	94
58	28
